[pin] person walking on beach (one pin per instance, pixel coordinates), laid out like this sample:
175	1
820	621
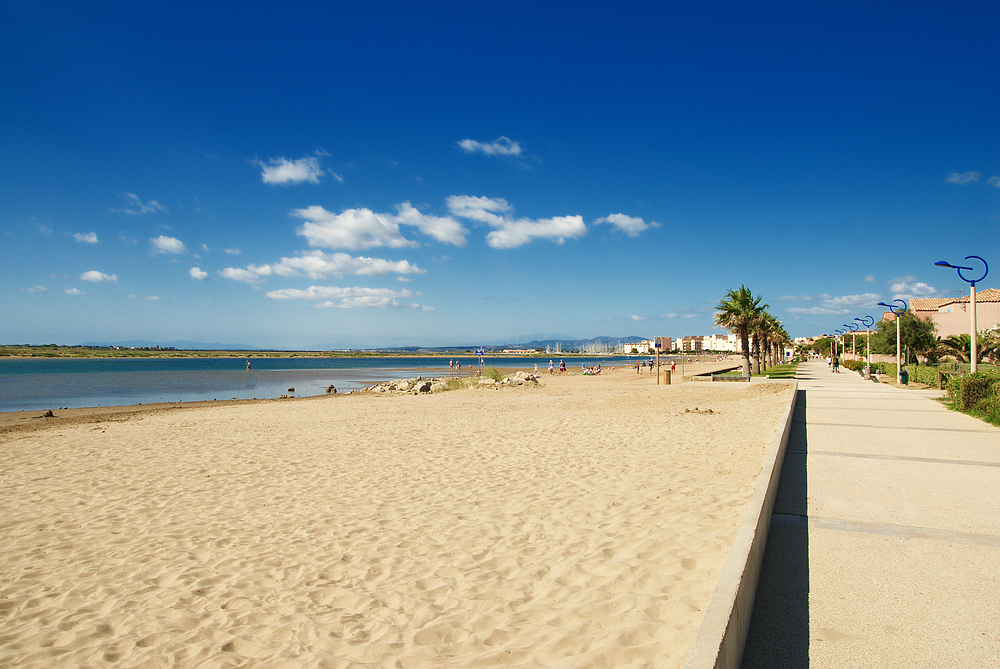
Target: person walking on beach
836	364
562	366
248	365
551	369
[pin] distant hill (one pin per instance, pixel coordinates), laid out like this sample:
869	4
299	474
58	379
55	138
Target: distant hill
566	344
574	344
181	344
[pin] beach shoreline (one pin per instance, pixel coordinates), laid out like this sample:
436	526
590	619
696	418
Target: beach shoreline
580	523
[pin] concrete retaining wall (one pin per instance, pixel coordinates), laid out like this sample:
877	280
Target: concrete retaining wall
723	632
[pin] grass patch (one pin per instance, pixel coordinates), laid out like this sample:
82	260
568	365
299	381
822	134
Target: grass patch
494	373
780	371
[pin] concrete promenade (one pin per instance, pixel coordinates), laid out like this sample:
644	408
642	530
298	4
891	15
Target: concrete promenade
884	547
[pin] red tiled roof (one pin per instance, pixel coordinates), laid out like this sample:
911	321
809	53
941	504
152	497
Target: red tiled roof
931	303
935	303
988	295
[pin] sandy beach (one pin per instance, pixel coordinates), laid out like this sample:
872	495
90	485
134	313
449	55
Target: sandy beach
581	523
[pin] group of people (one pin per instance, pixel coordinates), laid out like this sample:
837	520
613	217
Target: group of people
833	363
562	367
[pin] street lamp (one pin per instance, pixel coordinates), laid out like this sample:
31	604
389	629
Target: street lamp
896	311
973	335
868	356
853	327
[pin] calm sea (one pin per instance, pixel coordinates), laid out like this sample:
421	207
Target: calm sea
38	384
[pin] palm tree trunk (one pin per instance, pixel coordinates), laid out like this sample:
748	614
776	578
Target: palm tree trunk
745	343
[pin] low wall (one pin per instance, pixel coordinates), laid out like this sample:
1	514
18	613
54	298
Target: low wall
723	631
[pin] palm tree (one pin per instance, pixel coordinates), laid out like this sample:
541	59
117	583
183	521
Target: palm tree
738	312
761	333
958	346
780	341
770	334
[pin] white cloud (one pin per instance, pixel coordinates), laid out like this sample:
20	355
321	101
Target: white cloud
501	146
519	232
511	232
86	238
319	265
795	298
164	244
353	229
444	229
630	225
492	211
98	277
74	291
994	181
284	171
636	318
906	288
870	278
839	305
962	178
356	297
249	275
198	273
151	298
35	289
136	206
356	229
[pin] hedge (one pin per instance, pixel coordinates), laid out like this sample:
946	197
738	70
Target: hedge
978	391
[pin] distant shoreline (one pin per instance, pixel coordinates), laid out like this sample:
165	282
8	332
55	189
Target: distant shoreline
9	352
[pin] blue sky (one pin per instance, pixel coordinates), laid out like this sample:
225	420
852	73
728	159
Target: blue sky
311	175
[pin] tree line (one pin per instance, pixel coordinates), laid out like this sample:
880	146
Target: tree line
919	337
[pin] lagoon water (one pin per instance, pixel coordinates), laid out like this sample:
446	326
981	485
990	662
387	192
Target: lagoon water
38	384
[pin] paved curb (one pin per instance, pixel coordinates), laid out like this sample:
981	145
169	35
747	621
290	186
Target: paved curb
723	631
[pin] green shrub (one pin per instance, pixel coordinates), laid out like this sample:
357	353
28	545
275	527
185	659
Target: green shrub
494	373
853	365
970	391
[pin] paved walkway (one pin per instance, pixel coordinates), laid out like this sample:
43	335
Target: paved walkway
884	548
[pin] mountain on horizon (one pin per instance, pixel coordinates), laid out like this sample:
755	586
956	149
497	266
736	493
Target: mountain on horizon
182	344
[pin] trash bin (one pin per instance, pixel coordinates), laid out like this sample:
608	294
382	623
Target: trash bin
904	377
666	377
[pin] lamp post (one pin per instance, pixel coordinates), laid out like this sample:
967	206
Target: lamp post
973	334
896	311
853	327
868	355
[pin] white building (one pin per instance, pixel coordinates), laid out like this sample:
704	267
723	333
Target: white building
718	342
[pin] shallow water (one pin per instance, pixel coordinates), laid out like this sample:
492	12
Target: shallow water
35	384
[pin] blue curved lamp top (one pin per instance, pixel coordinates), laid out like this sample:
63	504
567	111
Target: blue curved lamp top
894	308
973	282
